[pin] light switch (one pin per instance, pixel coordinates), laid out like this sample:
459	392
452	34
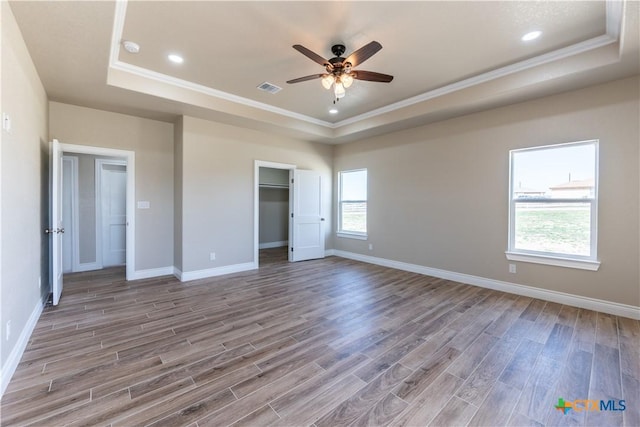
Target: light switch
6	122
144	205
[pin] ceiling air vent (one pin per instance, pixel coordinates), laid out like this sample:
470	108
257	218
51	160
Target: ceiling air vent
268	87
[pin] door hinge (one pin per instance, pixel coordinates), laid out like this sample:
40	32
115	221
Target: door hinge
291	214
291	248
292	180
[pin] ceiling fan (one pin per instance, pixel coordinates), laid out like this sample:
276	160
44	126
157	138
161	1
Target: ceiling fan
339	71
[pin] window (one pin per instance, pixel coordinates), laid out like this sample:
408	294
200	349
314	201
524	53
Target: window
352	203
553	205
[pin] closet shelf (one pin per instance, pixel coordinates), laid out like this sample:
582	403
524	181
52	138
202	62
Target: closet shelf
285	186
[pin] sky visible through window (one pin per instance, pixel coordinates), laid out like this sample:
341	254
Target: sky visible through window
546	167
354	185
558	220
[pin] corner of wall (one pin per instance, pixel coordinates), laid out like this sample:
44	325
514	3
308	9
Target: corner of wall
178	131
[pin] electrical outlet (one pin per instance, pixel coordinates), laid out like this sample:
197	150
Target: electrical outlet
512	268
370	246
212	256
8	330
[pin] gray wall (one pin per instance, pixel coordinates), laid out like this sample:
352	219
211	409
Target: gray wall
274	215
24	157
438	193
152	142
217	188
86	208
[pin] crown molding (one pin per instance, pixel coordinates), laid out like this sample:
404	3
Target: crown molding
116	64
614	14
556	55
613	17
215	93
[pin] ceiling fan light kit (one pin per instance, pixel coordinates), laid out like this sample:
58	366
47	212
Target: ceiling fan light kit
339	71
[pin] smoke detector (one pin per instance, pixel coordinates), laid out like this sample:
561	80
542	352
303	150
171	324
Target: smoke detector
131	47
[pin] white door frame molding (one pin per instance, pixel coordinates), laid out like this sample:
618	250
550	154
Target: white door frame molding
256	204
130	158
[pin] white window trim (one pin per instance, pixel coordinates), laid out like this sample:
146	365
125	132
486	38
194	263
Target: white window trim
549	258
555	260
352	235
346	233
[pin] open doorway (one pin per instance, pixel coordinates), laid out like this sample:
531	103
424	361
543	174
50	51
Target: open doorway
273	212
112	173
94	212
305	219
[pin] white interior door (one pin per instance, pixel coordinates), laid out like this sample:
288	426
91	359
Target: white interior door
113	201
308	222
57	228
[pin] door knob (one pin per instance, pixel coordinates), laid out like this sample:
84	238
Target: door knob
52	231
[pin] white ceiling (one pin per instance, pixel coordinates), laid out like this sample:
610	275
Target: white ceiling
448	58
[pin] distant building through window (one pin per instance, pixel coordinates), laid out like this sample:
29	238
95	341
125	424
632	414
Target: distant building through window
553	204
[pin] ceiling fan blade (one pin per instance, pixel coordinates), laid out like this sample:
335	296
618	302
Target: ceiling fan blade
311	55
305	78
364	53
371	76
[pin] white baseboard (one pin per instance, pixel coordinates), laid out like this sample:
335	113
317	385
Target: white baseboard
153	272
16	354
87	266
211	272
330	252
269	245
603	306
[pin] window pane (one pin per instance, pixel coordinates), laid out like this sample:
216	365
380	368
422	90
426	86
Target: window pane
562	228
354	185
555	172
354	217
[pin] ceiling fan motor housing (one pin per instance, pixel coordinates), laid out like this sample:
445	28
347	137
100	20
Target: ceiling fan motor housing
338	66
338	49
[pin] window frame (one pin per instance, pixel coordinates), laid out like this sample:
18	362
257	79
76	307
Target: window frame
584	262
340	232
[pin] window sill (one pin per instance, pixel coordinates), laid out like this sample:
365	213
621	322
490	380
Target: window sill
553	260
352	235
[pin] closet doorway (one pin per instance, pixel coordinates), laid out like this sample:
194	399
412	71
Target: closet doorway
305	220
273	214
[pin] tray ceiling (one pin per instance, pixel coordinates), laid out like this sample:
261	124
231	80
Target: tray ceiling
448	58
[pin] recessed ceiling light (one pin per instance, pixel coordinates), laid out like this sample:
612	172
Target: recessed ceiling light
333	111
131	47
175	58
531	36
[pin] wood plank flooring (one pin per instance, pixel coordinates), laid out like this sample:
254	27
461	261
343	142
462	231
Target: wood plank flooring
330	342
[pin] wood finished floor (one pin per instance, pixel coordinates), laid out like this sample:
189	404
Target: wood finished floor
331	342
